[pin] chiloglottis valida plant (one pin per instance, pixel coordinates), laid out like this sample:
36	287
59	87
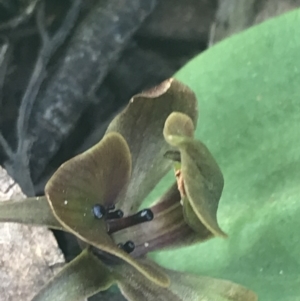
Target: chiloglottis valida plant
96	196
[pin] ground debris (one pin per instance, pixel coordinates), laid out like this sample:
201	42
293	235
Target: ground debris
29	256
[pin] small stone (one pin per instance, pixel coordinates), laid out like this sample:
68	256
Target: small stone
29	255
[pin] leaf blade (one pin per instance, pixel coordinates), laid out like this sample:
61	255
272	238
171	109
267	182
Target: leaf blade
248	87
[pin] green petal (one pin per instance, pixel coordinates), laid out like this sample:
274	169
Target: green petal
192	219
35	211
168	229
202	177
81	278
141	124
96	176
93	177
183	287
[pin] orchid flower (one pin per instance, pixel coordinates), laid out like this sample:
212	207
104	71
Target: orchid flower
97	195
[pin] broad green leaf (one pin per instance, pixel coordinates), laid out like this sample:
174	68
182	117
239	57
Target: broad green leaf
34	211
141	124
79	279
183	287
248	88
94	177
200	179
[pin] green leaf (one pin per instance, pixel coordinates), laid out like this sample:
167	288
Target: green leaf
200	180
141	124
183	287
94	177
79	279
35	211
248	91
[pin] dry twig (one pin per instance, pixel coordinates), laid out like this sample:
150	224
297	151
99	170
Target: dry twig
20	19
19	159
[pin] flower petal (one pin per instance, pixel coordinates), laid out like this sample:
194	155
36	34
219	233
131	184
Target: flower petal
93	177
141	124
96	176
202	178
81	278
168	229
195	287
34	211
183	287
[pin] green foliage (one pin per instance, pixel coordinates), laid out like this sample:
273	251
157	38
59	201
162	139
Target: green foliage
248	88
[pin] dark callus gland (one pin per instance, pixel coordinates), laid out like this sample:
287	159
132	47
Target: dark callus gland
128	247
99	211
144	216
115	225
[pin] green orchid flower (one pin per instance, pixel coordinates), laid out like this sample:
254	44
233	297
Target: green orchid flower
96	196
